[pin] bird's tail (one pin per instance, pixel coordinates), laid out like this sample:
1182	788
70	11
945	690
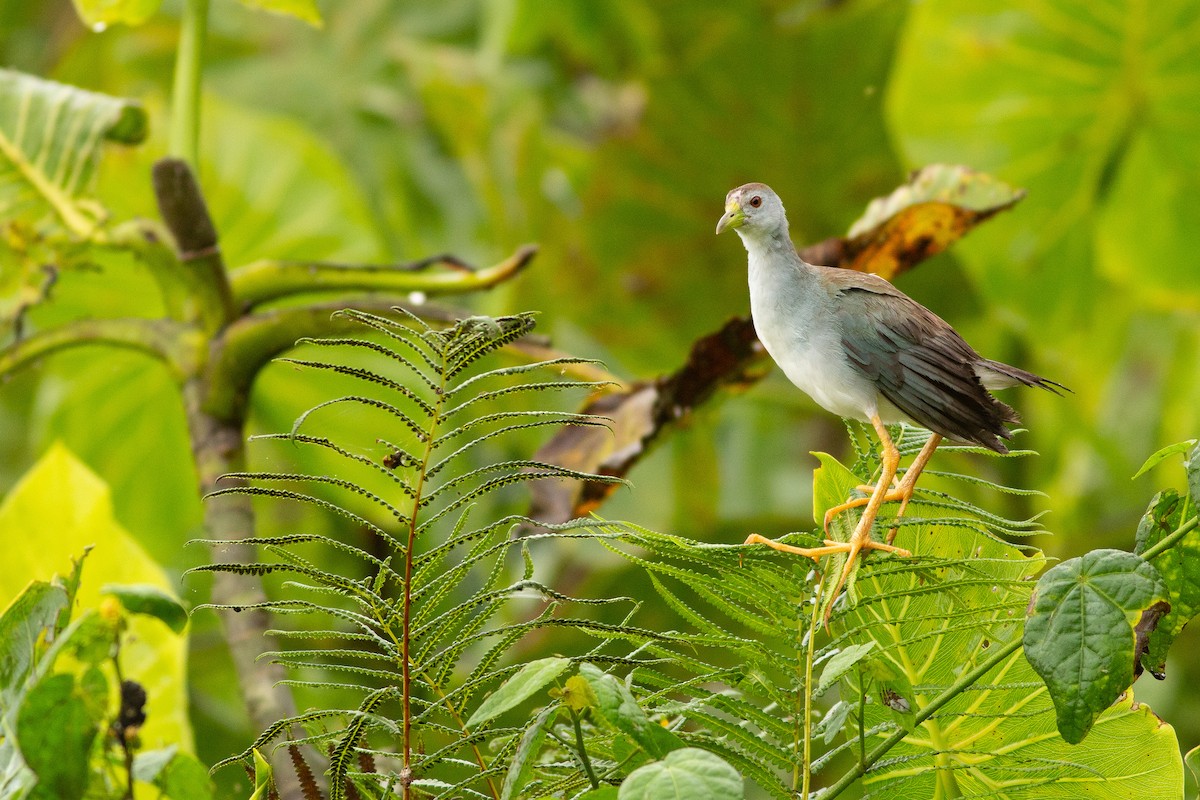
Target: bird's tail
997	375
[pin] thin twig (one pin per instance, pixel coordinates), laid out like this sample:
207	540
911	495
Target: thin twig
162	339
265	280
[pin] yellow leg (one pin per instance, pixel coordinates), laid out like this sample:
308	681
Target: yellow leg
817	553
888	489
861	538
905	489
902	490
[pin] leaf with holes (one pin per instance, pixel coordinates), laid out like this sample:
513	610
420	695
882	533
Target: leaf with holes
1088	624
938	205
1179	567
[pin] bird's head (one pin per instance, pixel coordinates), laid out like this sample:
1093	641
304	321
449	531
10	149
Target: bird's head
754	210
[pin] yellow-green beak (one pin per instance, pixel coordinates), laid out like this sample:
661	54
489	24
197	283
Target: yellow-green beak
733	218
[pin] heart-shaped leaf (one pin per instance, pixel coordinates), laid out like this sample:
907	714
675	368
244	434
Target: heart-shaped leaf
1180	569
1089	619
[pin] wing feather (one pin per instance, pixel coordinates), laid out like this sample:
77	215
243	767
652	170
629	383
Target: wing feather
919	363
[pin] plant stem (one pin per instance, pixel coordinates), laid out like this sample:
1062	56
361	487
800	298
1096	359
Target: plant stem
126	751
1169	541
583	756
862	717
185	100
808	688
925	713
406	776
218	448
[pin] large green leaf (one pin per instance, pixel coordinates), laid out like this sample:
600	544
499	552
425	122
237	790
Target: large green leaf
153	486
1087	105
50	140
276	190
940	613
1088	623
51	515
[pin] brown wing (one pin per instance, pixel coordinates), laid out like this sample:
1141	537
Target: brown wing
917	361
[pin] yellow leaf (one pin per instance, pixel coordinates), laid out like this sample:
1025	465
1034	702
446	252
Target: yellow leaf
55	511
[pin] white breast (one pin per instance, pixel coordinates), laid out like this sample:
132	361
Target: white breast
792	316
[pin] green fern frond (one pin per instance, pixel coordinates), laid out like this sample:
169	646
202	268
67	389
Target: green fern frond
470	385
387	352
324	505
423	629
369	376
964	589
552	421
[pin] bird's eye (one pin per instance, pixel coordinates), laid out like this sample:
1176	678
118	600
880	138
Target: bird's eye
756	201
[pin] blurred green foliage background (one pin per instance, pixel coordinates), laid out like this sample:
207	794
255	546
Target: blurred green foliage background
609	133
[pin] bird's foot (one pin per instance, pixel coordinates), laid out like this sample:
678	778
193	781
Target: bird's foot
901	494
830	547
859	542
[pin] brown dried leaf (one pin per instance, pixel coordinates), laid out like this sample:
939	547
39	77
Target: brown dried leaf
938	205
727	358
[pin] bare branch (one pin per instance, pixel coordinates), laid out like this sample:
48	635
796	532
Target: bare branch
163	339
250	343
267	280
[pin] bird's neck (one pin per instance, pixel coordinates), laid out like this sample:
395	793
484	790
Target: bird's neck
771	250
767	243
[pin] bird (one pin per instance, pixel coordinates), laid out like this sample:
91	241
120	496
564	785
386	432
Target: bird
864	350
